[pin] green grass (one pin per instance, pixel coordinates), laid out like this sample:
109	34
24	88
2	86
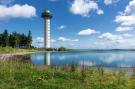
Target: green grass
4	50
15	74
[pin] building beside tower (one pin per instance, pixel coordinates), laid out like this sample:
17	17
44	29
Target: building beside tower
46	15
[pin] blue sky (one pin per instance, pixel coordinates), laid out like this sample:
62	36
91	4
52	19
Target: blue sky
79	24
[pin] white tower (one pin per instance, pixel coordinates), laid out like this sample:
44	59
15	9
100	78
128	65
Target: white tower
46	15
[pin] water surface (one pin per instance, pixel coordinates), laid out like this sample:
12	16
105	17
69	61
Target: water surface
86	58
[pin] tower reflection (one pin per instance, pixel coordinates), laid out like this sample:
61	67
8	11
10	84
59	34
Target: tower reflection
47	58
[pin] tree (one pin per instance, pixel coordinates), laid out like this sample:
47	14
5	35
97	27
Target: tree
11	40
62	49
0	39
23	41
5	38
14	40
29	39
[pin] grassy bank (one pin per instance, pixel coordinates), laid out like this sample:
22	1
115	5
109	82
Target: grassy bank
23	75
5	50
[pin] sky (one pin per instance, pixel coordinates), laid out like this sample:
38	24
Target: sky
77	24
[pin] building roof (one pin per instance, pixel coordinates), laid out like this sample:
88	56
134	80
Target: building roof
46	14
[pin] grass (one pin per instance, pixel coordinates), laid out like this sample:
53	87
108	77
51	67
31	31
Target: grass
4	50
15	74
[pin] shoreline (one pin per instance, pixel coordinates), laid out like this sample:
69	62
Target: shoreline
8	55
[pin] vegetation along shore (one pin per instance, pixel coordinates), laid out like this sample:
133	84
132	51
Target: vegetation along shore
18	74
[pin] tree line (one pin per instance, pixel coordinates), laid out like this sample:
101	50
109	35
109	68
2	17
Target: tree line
15	40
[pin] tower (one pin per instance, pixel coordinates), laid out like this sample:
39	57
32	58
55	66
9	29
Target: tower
46	15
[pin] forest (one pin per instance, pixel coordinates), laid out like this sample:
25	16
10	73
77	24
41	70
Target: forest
15	40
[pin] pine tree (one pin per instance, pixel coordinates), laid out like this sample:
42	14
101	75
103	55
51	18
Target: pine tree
23	41
5	38
29	39
11	40
16	39
0	39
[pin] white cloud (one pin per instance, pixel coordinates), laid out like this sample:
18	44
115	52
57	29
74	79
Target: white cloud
108	2
75	40
99	12
6	2
52	40
121	41
17	11
131	7
124	29
84	7
63	39
125	20
61	27
39	42
110	37
88	32
127	35
127	17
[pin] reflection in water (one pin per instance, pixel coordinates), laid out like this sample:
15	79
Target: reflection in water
47	58
41	58
86	63
112	57
105	58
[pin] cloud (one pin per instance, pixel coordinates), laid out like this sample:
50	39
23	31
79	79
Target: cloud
127	17
113	41
61	27
125	20
124	29
17	11
52	40
130	9
87	32
127	35
110	37
100	12
75	40
108	2
39	42
6	2
63	39
84	7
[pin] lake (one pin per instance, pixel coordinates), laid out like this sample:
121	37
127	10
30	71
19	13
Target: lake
85	58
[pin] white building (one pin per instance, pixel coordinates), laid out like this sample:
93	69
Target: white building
46	15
